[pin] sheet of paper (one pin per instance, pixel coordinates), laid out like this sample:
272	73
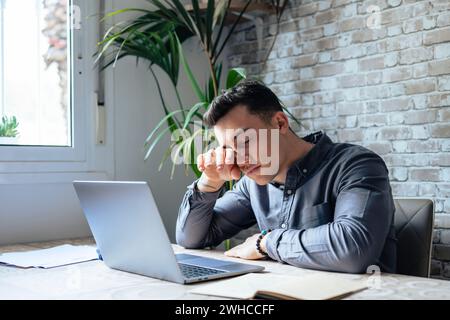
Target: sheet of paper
309	287
49	258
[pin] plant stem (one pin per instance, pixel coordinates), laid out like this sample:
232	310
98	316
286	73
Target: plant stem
213	77
162	98
179	100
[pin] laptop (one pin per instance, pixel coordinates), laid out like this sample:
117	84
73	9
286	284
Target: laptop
130	235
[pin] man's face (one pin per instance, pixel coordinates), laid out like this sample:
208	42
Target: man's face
255	143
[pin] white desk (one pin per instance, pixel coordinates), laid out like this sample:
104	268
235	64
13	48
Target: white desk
93	280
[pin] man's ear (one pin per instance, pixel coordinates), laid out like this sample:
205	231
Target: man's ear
281	122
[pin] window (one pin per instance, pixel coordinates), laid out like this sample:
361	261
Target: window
59	142
35	85
55	109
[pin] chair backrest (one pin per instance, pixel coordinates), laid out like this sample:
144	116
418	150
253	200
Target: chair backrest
414	219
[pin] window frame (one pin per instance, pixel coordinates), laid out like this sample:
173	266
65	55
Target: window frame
81	156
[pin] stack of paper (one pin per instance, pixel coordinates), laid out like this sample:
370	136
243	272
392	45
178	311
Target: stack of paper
49	258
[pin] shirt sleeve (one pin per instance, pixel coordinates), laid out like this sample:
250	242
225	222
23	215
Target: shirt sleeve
207	218
363	216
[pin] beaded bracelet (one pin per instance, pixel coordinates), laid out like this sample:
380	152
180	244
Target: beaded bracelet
258	241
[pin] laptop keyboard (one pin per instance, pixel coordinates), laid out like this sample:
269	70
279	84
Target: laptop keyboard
190	271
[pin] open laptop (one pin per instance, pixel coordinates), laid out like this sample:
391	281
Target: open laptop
130	235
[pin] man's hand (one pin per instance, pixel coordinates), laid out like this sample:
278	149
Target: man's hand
247	250
217	167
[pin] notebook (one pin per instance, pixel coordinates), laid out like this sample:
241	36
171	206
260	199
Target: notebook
275	286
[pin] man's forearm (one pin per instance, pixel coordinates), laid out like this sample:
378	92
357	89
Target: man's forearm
195	216
335	247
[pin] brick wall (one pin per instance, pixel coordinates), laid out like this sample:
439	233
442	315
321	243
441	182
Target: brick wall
378	78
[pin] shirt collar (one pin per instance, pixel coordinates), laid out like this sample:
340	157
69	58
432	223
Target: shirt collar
306	165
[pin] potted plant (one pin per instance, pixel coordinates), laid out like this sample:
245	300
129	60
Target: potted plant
156	36
8	130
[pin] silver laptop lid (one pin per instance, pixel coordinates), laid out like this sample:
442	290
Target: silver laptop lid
127	228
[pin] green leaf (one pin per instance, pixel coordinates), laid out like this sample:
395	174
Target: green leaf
160	123
210	8
193	112
231	31
189	147
120	11
235	75
179	148
189	73
210	94
8	127
155	142
166	155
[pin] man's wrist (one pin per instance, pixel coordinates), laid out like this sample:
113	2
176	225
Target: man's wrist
263	243
206	185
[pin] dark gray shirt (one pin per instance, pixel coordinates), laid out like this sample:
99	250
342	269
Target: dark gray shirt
335	211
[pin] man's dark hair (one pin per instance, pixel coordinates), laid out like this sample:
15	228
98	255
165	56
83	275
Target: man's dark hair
254	95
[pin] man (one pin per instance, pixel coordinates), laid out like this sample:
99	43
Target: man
326	206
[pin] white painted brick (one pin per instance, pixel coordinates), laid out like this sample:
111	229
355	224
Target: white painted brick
307	99
330	29
420	70
442	51
420	132
445	236
422	116
328	110
444	83
445	145
306	73
383	89
324	57
443	20
427	189
400	189
394	30
415	55
419	101
381	148
429	23
371	134
397	74
442	221
324	4
396	90
350	10
374	77
351	121
390	59
445	176
395	118
400	146
399	174
394	3
372	48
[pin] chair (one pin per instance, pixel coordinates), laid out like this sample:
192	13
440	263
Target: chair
413	221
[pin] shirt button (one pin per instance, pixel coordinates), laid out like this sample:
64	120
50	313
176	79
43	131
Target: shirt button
289	191
305	171
283	225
